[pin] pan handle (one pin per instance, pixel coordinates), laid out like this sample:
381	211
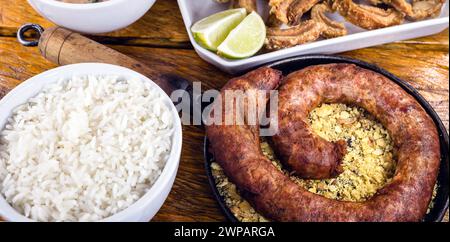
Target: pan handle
169	82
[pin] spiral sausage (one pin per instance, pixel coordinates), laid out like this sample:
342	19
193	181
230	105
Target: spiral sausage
405	198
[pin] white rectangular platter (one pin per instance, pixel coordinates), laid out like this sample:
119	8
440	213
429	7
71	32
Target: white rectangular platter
194	10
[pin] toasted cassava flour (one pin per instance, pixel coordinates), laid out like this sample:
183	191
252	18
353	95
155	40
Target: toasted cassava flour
84	149
368	165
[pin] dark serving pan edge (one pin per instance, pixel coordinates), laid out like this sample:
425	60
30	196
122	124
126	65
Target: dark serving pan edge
289	65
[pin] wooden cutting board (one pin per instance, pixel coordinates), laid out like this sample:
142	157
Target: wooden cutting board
160	41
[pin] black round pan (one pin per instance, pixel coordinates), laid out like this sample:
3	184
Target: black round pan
287	66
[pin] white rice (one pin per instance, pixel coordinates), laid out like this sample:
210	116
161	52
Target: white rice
84	149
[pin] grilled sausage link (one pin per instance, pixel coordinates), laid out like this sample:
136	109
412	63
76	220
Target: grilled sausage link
405	198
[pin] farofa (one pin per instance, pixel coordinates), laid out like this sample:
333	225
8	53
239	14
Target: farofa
368	165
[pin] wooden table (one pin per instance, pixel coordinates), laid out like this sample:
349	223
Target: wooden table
160	40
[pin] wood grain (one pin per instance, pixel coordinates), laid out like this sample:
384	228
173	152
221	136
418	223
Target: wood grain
161	26
422	62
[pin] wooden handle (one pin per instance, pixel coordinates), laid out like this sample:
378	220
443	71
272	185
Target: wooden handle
65	47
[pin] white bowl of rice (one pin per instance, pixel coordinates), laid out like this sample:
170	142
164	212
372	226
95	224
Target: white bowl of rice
87	142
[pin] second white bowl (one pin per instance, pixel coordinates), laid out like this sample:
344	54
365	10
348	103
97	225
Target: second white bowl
93	18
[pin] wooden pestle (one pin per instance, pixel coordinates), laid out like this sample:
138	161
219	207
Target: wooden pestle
64	47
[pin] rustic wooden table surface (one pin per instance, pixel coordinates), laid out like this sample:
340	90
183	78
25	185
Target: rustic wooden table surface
160	40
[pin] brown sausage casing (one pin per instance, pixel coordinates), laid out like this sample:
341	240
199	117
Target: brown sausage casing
405	198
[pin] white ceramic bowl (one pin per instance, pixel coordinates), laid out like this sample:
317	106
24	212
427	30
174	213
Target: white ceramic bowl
147	206
93	18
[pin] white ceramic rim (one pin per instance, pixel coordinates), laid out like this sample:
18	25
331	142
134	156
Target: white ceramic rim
164	178
82	5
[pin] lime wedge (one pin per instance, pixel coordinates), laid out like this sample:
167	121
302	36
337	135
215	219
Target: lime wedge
211	31
246	39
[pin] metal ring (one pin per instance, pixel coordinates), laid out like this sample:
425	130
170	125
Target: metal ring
23	29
